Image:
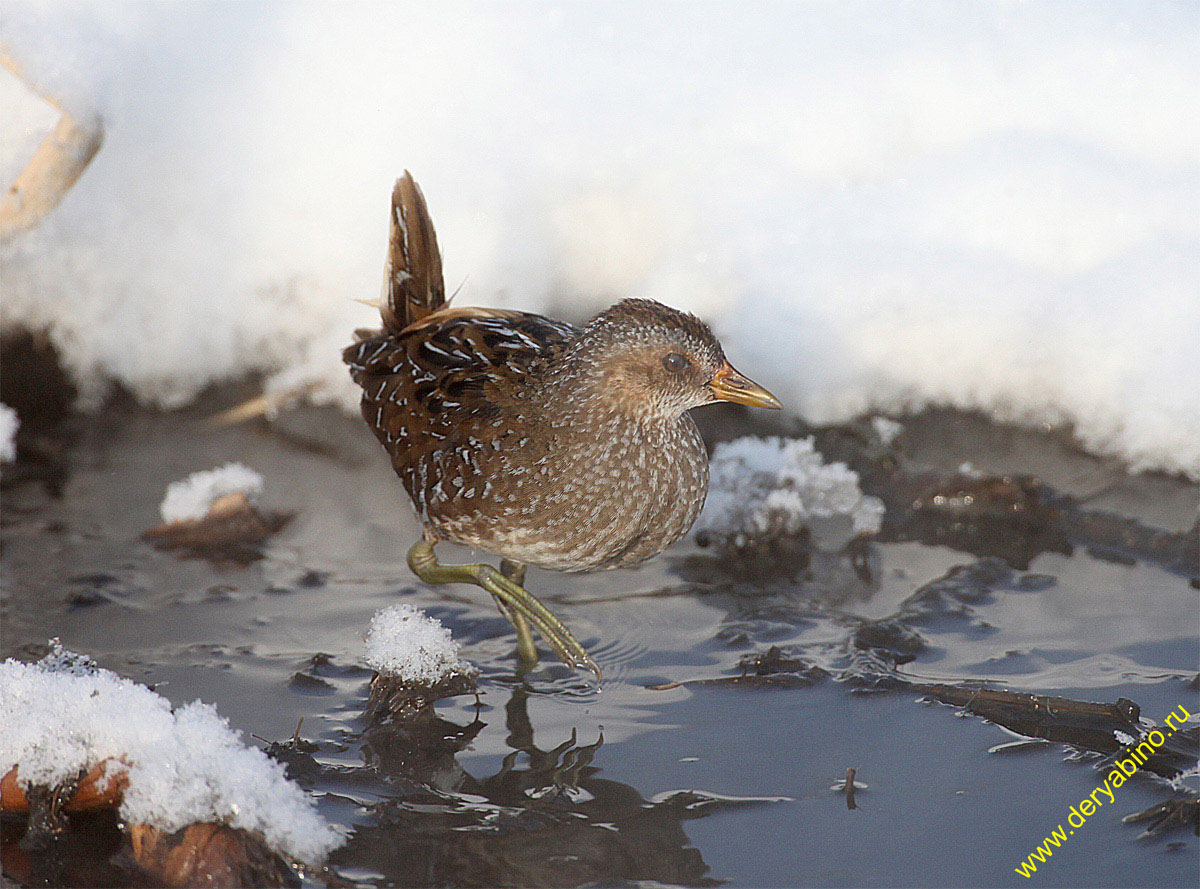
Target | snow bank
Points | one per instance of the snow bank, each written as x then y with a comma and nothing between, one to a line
985,205
9,424
64,714
190,499
774,487
406,644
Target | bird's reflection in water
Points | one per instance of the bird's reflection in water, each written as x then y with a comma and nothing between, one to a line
544,819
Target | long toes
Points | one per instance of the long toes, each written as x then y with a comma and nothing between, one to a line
550,627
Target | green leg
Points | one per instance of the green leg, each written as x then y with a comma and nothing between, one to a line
514,599
526,650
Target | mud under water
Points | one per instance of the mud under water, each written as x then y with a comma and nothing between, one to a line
739,688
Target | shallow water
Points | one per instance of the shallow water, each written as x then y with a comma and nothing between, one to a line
659,776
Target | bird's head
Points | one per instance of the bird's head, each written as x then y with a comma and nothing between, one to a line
658,361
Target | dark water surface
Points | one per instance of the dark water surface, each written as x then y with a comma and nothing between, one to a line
545,780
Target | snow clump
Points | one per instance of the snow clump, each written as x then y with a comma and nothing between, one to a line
190,499
406,644
887,429
9,424
774,487
65,715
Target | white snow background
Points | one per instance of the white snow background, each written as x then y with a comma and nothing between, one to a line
877,205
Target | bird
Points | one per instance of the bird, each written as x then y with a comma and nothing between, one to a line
544,443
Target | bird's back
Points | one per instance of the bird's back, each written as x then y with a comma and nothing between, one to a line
432,393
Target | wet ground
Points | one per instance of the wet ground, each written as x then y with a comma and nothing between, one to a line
738,687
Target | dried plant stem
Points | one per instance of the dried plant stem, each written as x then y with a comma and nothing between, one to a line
60,160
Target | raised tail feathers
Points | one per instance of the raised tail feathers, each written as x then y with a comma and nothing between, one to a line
412,282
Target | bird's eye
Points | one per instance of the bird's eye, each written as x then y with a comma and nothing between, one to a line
675,362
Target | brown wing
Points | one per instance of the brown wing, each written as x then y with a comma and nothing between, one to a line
433,392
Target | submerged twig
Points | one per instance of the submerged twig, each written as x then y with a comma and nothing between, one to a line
850,804
1097,727
1170,813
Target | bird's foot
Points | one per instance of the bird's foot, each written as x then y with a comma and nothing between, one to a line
516,603
527,654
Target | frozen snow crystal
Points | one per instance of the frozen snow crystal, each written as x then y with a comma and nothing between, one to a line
183,766
406,644
191,498
8,433
772,487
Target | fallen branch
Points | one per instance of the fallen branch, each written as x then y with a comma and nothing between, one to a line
58,162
